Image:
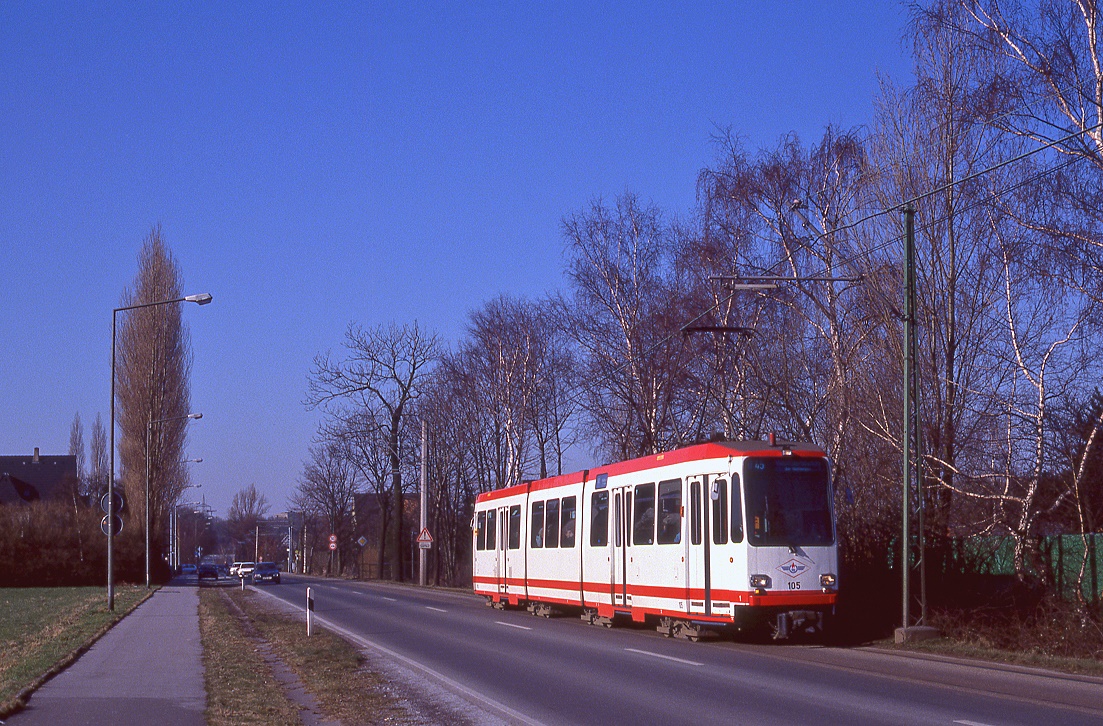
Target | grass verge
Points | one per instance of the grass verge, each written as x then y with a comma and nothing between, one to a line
1052,634
241,688
44,629
976,651
331,669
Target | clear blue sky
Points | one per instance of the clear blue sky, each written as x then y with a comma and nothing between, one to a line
316,165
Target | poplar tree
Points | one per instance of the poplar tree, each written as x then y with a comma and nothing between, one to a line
153,370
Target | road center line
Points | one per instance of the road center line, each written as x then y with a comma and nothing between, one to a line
972,723
664,657
390,599
438,610
511,625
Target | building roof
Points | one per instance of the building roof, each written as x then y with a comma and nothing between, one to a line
34,477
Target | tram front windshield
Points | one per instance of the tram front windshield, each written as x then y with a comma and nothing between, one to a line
788,501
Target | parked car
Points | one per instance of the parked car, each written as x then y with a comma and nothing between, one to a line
187,569
245,569
233,568
208,569
267,572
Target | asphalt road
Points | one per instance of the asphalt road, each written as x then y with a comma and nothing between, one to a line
520,668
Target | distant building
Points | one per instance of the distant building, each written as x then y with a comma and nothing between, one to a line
35,478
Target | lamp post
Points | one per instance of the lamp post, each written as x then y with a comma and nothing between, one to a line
149,435
201,299
174,537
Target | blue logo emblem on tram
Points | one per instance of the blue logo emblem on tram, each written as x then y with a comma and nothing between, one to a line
793,568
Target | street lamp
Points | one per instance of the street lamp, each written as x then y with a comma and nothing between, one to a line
201,299
149,434
174,533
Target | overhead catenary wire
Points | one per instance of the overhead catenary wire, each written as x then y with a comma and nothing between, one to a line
696,320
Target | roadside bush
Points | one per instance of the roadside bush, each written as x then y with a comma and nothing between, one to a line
53,543
1048,627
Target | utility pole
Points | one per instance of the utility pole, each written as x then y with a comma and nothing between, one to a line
909,351
422,552
906,632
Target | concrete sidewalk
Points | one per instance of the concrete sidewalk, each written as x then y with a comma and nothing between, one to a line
148,669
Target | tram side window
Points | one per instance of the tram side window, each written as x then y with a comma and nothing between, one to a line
643,525
551,523
670,511
491,529
537,536
737,511
515,527
720,511
480,531
695,513
567,511
599,520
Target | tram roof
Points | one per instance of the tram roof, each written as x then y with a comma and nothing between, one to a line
695,452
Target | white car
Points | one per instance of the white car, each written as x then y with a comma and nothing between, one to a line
244,569
234,568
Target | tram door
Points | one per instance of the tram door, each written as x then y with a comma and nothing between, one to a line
619,544
500,552
698,544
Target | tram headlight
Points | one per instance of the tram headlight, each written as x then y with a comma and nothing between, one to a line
760,583
828,582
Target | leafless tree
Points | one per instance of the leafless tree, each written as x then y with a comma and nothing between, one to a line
247,509
80,486
76,449
327,489
97,472
1054,81
154,366
624,315
384,370
362,435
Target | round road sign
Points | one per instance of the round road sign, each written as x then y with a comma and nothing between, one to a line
118,524
333,545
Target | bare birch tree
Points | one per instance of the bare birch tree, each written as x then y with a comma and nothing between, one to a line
624,315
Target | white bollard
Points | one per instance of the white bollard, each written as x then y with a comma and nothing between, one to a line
309,611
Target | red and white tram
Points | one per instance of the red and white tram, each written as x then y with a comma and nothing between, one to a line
711,535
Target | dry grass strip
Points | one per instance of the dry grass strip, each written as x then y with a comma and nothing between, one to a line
241,688
333,670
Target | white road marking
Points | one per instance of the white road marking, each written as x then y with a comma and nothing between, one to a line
972,723
390,599
438,610
665,657
511,625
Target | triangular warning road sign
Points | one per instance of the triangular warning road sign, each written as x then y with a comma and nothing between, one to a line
425,536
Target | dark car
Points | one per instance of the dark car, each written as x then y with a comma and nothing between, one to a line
208,569
267,572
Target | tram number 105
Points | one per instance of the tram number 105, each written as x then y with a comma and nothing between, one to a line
794,585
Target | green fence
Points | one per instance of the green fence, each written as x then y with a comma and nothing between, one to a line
1062,555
